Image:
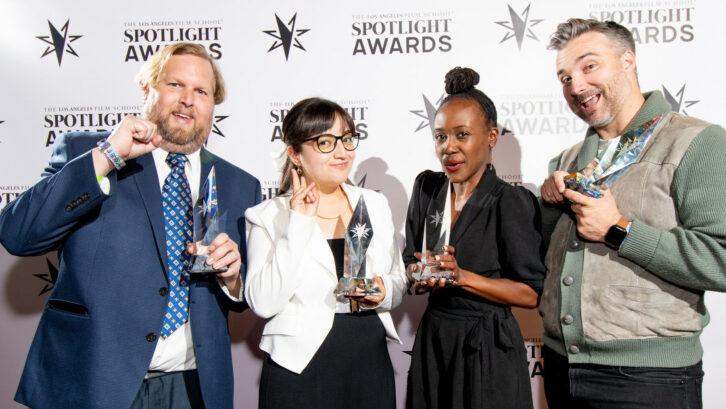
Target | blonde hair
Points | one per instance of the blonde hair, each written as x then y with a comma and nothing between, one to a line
151,71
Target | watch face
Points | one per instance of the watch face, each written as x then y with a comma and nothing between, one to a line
615,236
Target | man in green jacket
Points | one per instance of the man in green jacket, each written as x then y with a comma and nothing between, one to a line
635,221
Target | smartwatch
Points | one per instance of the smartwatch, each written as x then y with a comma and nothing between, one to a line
615,236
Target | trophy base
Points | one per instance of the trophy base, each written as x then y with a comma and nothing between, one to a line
200,267
431,270
356,288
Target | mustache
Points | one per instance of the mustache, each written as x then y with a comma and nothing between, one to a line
584,96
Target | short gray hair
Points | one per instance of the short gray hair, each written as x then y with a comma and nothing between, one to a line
574,27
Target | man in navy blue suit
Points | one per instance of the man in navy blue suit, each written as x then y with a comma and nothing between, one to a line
126,326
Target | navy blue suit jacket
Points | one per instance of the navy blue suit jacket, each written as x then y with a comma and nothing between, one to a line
98,331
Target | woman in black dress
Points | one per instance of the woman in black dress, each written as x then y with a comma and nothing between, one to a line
468,351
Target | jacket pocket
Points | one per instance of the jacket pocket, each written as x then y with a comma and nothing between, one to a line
68,307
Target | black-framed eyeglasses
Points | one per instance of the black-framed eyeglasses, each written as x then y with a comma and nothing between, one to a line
327,143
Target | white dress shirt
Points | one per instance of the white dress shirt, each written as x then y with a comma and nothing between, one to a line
176,352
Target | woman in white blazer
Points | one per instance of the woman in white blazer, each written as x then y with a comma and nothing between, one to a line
318,353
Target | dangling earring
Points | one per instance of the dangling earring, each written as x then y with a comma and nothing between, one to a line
491,159
298,169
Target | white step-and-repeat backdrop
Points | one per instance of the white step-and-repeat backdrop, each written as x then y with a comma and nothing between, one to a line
69,65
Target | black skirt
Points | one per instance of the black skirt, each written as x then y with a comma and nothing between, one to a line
469,359
350,370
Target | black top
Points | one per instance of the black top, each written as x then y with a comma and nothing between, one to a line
496,235
337,246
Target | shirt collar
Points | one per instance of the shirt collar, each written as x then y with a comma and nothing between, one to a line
193,159
655,104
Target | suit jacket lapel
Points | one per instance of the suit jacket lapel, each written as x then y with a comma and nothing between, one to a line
588,151
320,249
147,182
353,194
317,248
479,199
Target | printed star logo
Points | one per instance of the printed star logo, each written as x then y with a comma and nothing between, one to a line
218,119
360,231
59,41
428,113
437,218
49,277
519,26
676,101
286,35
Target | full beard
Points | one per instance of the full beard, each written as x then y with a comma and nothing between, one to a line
177,139
180,140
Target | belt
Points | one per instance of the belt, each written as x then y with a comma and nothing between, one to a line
474,339
156,374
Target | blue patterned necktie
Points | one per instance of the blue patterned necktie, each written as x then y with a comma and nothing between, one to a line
177,200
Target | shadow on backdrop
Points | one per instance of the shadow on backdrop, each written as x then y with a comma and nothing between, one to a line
246,328
373,174
508,159
29,281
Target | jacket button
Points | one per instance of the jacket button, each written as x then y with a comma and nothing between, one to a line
69,208
568,280
163,291
151,337
574,245
568,319
574,349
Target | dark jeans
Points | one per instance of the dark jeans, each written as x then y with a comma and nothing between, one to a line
622,387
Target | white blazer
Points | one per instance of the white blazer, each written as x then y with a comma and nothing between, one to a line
291,275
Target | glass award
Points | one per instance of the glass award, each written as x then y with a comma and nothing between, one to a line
435,236
207,222
604,170
355,282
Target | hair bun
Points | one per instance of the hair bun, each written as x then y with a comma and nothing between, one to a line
460,80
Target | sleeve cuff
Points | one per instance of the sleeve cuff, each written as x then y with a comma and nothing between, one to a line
388,298
240,297
104,184
641,243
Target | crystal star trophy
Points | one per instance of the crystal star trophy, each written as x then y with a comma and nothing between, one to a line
355,283
207,221
602,172
435,237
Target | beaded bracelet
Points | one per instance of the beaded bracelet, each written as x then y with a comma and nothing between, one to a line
111,154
